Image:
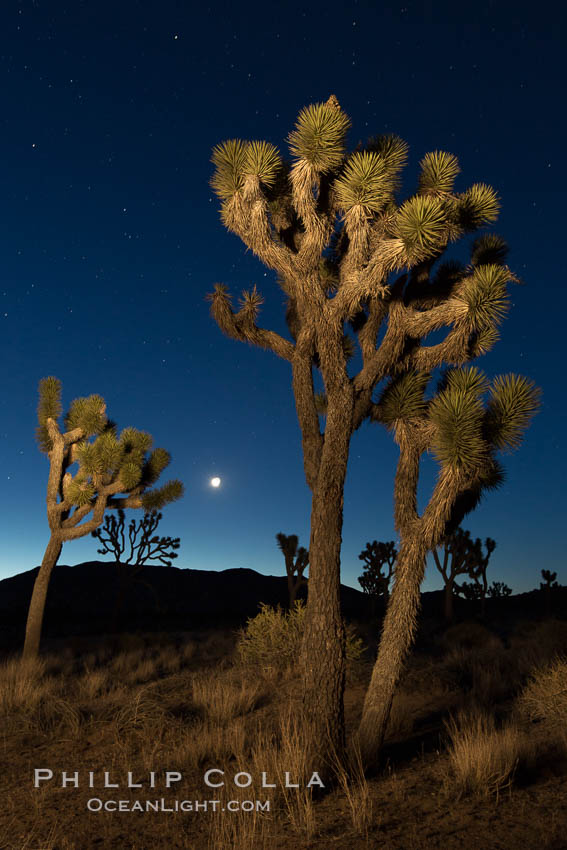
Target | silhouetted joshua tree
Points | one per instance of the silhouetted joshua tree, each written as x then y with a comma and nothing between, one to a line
107,466
349,260
498,590
144,545
548,585
548,582
296,561
373,581
149,547
478,588
461,556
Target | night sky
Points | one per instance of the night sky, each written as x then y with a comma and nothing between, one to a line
111,240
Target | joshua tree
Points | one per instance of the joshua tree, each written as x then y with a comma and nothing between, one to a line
107,466
478,588
461,556
296,560
464,431
373,581
149,547
548,580
350,260
498,590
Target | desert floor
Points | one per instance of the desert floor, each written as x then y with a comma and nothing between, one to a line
476,751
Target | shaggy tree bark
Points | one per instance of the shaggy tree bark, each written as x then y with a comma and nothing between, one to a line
323,653
39,596
398,634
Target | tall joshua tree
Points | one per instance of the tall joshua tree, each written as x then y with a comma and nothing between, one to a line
296,561
107,466
351,260
461,556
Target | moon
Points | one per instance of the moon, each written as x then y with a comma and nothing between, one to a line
215,482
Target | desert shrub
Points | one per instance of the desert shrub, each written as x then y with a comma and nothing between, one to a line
545,638
470,636
482,758
545,695
272,639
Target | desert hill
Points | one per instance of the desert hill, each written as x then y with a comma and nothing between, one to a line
97,597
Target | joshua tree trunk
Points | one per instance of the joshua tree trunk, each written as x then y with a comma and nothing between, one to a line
398,634
323,652
324,637
39,595
292,588
449,600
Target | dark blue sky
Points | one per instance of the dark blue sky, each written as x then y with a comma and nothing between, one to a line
111,239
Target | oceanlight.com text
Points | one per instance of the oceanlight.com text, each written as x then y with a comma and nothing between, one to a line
95,804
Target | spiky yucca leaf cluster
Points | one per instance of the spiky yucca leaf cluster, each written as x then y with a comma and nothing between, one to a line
319,136
512,403
87,414
157,499
438,172
80,493
263,161
486,296
457,412
391,149
228,158
489,248
154,466
49,407
421,224
478,205
235,160
403,399
467,431
365,182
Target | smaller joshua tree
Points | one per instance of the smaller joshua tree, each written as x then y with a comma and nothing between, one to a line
108,465
466,422
478,588
549,581
548,585
373,581
463,556
296,561
149,547
498,590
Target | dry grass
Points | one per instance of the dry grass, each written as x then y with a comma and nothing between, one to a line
22,685
187,706
222,696
483,758
544,698
356,790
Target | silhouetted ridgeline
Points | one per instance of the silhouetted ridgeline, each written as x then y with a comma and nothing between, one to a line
83,600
